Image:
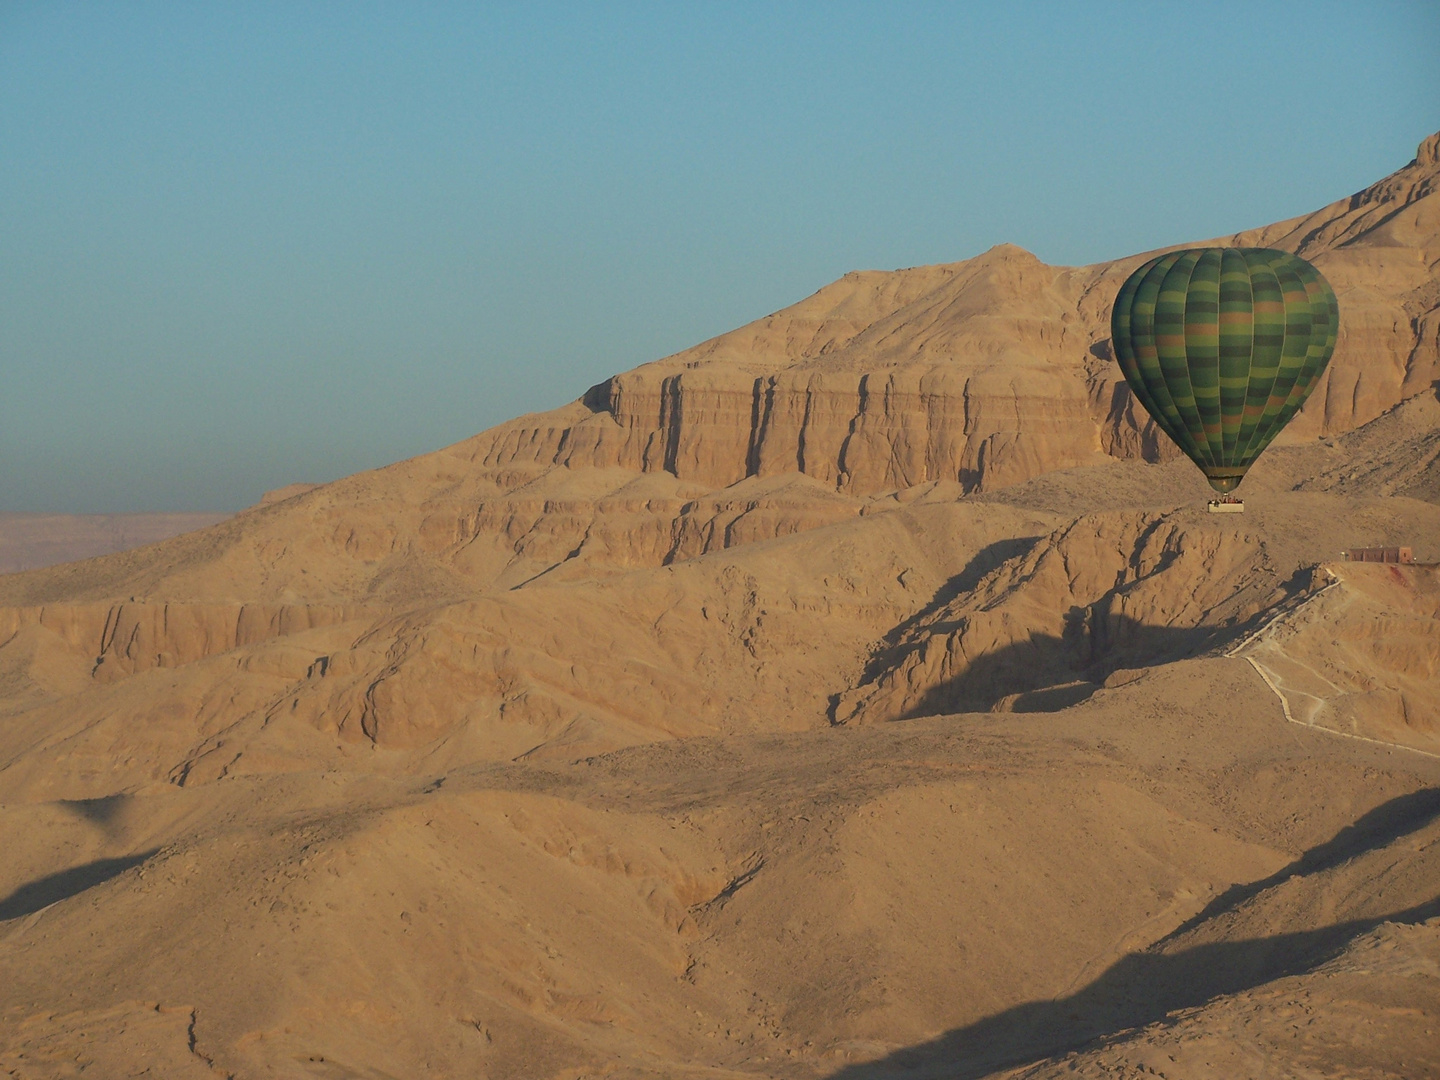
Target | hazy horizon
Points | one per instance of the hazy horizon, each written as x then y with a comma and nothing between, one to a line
243,248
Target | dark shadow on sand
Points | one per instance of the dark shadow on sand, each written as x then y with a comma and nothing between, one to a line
1045,673
985,560
101,811
28,899
1381,826
1143,987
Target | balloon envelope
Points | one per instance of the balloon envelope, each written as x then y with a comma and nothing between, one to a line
1222,346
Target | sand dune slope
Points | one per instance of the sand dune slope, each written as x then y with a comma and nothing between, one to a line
947,895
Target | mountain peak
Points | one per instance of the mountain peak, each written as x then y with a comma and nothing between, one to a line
1428,152
1012,252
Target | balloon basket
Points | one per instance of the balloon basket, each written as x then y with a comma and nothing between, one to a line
1226,504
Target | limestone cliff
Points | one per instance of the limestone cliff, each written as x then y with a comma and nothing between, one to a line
988,371
975,376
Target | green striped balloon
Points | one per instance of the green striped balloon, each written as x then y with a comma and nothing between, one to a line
1222,346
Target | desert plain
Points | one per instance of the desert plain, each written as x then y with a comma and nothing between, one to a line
862,693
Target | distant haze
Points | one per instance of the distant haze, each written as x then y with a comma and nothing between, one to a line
250,245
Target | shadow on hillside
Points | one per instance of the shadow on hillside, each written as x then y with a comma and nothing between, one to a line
1045,673
1143,987
28,899
100,811
984,561
1383,825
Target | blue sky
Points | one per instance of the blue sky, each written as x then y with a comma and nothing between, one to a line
247,244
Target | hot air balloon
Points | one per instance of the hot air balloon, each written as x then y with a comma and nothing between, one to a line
1222,346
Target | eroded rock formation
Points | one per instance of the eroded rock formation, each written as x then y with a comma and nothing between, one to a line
985,372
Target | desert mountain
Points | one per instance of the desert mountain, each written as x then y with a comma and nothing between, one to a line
863,691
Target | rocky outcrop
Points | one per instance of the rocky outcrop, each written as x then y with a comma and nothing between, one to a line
1105,593
954,373
130,637
413,533
860,432
702,647
1398,454
986,372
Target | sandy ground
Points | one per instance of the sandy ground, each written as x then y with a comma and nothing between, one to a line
939,897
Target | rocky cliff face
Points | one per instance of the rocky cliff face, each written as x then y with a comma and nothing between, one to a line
973,373
1103,594
974,376
986,372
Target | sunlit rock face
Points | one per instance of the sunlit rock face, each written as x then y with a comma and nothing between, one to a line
987,372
